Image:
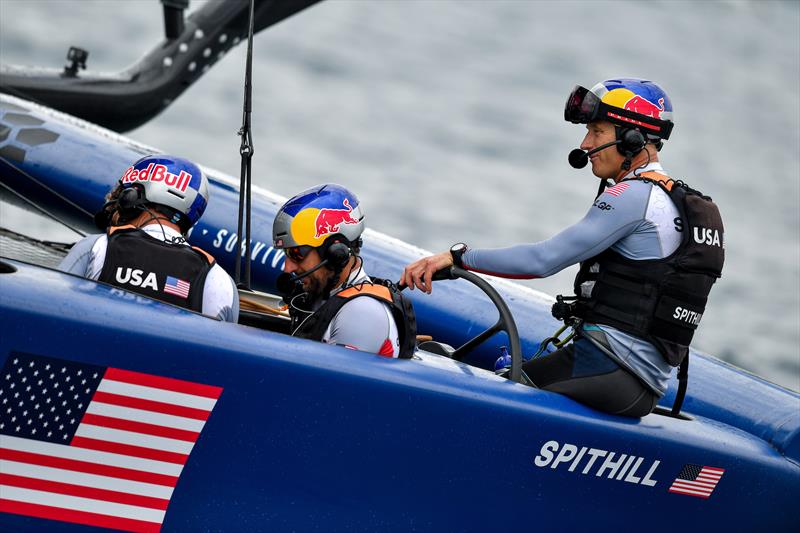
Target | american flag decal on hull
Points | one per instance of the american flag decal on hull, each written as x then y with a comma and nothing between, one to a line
696,480
94,445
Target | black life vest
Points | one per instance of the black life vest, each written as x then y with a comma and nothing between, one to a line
173,273
314,326
660,300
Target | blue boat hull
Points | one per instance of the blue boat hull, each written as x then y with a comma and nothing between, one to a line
311,437
307,436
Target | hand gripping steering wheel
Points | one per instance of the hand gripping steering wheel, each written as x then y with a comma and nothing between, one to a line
505,322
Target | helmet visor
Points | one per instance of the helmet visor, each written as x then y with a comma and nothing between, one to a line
582,106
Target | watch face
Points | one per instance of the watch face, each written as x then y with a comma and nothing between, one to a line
456,251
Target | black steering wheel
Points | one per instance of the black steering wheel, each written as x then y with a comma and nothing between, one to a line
505,322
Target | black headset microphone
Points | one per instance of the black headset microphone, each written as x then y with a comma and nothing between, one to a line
630,141
289,283
578,158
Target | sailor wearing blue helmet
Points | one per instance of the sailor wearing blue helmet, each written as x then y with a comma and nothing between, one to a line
649,249
331,298
144,250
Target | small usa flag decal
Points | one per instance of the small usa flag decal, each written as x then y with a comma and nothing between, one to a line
617,189
176,286
696,480
95,445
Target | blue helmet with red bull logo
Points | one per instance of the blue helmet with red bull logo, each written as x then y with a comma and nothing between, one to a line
317,214
168,181
625,102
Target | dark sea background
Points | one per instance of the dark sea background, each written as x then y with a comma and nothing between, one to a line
446,118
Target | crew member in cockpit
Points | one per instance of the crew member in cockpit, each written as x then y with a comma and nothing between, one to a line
331,298
650,248
144,250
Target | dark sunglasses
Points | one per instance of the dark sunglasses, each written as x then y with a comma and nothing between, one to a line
298,253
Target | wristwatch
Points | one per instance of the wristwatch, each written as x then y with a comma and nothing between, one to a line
457,252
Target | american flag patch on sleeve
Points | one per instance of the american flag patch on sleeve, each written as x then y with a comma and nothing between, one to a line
617,189
94,445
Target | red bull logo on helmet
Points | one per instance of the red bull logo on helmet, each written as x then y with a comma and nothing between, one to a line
158,173
626,99
643,106
328,220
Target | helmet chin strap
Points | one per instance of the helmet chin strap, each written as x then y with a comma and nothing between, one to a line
626,165
333,279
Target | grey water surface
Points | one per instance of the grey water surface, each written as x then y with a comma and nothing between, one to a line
446,118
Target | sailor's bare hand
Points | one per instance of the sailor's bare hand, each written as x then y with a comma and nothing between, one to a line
419,273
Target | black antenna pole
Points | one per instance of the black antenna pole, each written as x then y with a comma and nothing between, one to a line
246,150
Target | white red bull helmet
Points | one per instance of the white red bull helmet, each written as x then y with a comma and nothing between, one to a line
625,102
169,181
313,216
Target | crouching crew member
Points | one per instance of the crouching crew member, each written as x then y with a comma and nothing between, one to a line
144,250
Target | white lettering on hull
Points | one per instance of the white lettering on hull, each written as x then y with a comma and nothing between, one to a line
619,467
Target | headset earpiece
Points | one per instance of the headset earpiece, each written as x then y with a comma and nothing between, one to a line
632,141
130,198
126,205
337,255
